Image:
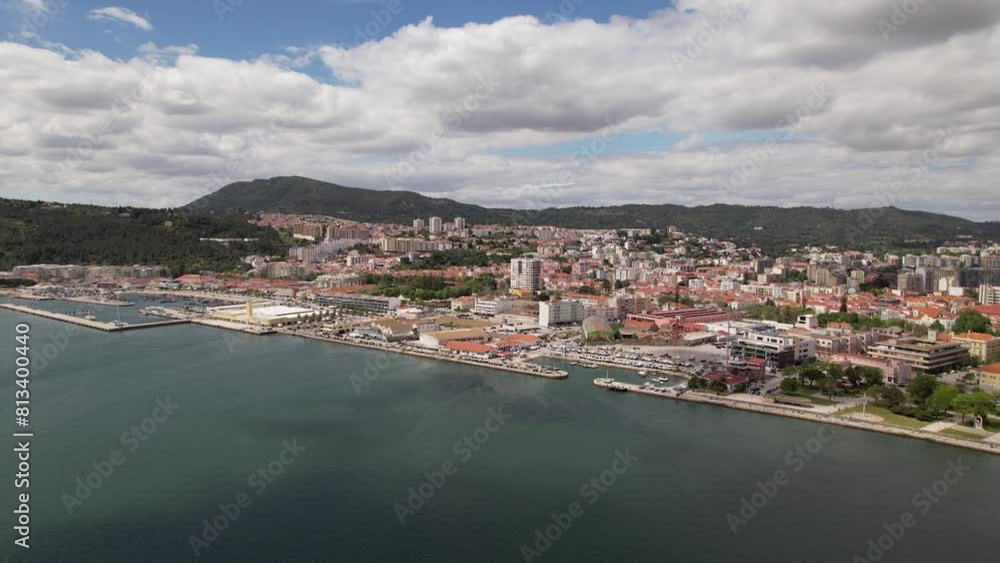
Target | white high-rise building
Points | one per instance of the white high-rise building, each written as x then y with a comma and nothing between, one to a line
418,224
459,224
436,226
560,312
526,274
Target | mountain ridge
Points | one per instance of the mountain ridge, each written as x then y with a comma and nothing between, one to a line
764,225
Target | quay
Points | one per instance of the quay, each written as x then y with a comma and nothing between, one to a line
790,412
106,327
98,301
558,374
29,297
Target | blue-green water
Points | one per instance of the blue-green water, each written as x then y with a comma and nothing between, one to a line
240,398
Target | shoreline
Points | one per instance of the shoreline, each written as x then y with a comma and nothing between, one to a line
432,356
791,412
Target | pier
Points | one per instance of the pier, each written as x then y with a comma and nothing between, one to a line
106,327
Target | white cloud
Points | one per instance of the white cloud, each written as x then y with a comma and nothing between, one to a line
124,15
199,120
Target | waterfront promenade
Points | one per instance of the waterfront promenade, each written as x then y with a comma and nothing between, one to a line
804,414
514,367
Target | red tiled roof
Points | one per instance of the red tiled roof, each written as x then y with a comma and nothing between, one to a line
471,347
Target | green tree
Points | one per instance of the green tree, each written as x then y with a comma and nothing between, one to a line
891,396
922,387
936,325
843,304
789,385
872,376
718,386
940,401
971,320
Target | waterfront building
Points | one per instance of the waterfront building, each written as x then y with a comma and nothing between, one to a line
777,350
263,314
923,355
443,337
894,372
552,313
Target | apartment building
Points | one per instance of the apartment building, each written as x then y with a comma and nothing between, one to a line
989,295
526,274
777,350
923,355
368,303
402,245
552,313
436,226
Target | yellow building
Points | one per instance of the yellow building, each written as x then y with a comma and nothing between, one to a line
990,378
985,347
263,314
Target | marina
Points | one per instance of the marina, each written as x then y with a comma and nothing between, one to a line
84,321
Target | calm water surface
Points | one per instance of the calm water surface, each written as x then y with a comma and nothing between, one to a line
240,399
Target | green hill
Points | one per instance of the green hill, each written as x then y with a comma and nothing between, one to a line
770,227
33,232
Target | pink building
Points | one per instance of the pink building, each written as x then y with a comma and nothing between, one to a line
893,371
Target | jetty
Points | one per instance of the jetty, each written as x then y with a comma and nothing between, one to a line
96,325
801,414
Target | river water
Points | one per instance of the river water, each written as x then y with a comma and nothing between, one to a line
340,459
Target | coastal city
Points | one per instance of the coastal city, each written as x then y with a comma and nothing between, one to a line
898,343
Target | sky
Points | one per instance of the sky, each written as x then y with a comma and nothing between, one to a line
512,103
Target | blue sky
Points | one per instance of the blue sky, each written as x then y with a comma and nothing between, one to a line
254,27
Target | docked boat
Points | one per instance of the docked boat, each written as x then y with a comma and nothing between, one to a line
642,373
